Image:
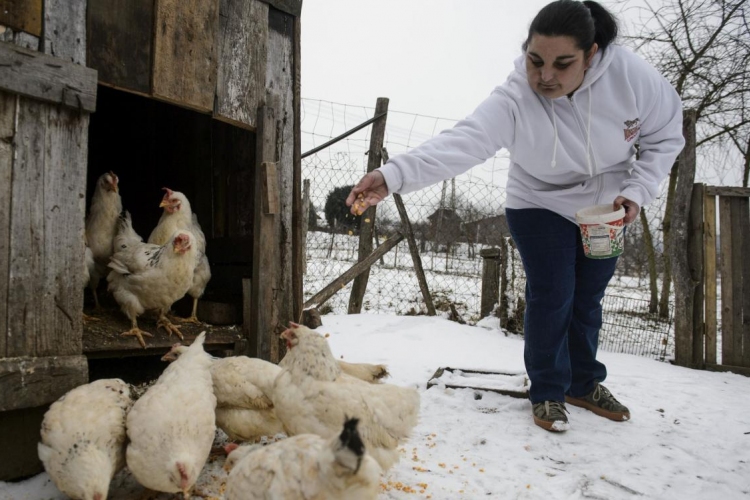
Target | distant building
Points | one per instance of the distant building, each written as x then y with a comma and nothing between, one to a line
487,231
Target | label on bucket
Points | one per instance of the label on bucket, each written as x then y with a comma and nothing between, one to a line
602,242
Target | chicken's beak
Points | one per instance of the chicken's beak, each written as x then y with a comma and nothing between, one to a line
164,203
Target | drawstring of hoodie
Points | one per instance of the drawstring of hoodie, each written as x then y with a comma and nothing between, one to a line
553,163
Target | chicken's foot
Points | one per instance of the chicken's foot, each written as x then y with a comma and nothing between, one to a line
138,333
193,318
169,327
87,318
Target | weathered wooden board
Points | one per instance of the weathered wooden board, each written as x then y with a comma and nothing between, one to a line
744,229
280,89
66,147
43,77
243,37
120,42
299,220
7,118
185,52
25,15
293,7
29,382
728,191
709,238
102,338
64,29
265,295
727,288
26,229
20,38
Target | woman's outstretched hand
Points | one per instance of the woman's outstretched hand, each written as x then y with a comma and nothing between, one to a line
631,208
369,191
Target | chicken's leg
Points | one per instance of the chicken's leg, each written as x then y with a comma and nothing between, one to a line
193,318
136,332
164,322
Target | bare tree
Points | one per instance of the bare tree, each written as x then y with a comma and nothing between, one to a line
703,48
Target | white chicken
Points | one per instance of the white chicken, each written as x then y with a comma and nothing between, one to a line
83,438
243,411
101,226
305,466
146,276
178,215
171,427
310,396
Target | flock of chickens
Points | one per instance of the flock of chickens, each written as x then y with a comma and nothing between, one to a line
145,276
344,425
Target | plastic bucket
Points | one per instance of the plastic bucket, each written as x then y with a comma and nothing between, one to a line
601,231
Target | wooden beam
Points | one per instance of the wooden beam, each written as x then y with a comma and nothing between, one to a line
299,213
367,220
270,186
490,280
330,290
64,30
727,191
265,261
7,132
29,382
121,42
413,248
185,52
737,206
24,16
739,370
242,59
46,78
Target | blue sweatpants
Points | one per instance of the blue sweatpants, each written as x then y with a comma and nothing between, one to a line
564,290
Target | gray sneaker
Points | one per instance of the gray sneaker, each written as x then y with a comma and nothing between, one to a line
550,416
601,402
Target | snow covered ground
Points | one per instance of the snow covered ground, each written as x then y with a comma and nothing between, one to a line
689,437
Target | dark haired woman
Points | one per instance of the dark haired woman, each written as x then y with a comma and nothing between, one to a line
570,116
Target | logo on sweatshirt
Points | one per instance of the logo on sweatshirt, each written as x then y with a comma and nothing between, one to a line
631,128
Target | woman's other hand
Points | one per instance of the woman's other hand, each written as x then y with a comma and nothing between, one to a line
631,208
369,191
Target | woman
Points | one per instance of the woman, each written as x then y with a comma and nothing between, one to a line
570,116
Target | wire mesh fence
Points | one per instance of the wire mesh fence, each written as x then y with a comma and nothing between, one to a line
452,222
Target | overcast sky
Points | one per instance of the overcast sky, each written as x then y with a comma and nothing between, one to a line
431,57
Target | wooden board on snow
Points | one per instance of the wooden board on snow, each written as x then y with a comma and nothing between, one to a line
515,385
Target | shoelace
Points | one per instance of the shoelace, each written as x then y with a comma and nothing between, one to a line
558,408
603,391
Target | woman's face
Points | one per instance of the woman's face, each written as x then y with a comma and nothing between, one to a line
555,65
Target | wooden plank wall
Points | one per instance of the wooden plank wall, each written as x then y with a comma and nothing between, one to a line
280,86
185,52
242,49
119,44
23,15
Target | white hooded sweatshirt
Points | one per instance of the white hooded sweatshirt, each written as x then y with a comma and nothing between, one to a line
566,153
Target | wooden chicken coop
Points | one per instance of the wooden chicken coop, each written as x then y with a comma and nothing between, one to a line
201,96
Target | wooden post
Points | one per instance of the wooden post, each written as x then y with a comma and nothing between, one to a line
490,280
265,262
305,223
413,249
684,286
357,269
503,313
368,218
695,263
299,216
744,230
